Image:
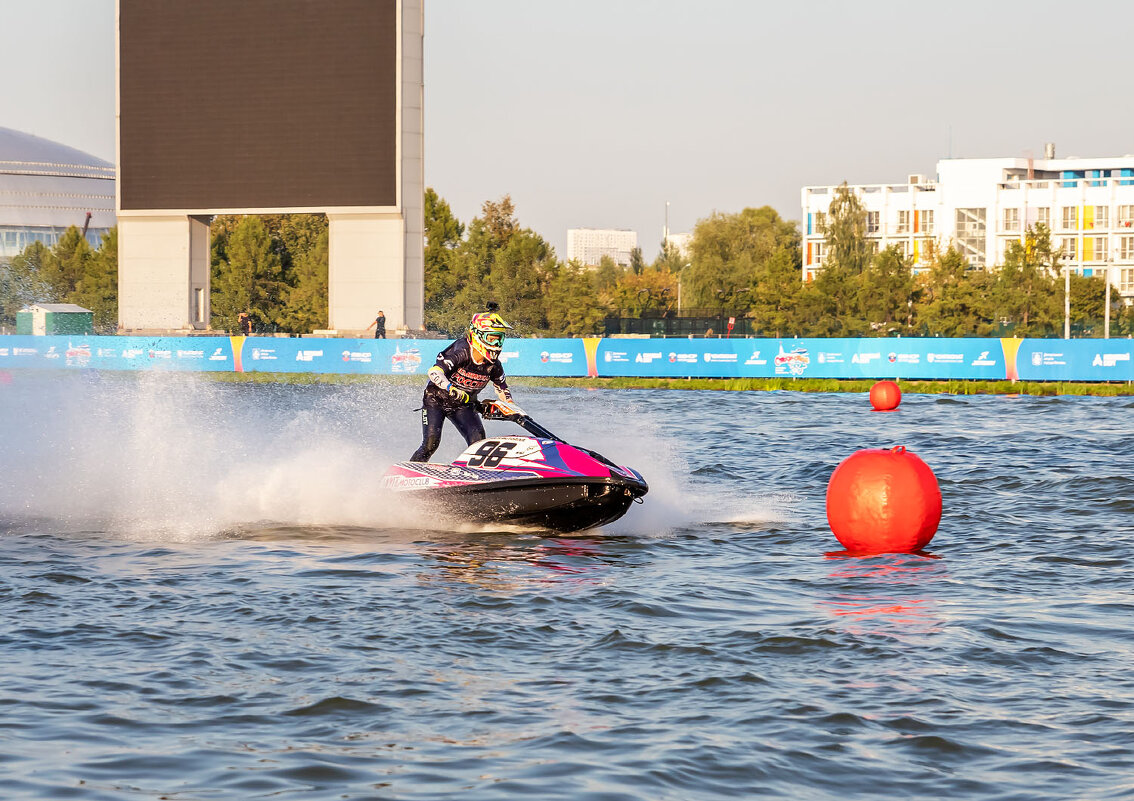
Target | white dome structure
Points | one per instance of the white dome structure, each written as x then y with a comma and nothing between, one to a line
46,187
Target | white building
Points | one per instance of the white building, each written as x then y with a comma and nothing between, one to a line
980,205
681,242
589,245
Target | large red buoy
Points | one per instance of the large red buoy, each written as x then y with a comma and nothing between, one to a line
883,501
885,396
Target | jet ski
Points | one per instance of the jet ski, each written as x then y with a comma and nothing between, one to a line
538,480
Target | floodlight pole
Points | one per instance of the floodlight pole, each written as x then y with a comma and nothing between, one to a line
1106,303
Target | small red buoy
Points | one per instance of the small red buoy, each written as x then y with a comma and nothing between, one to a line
885,396
883,501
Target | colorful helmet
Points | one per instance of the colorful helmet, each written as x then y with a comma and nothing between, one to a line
486,334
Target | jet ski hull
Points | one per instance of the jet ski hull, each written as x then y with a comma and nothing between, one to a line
558,504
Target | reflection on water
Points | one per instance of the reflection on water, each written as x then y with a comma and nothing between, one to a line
889,594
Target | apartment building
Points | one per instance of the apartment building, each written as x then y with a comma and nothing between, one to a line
589,245
980,205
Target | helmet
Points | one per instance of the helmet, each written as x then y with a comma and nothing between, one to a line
486,334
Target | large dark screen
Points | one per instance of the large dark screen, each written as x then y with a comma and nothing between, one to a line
257,103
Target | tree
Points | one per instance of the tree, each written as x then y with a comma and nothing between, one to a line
573,308
21,284
776,296
307,296
955,299
847,245
887,292
728,251
97,288
250,278
1024,291
67,263
443,232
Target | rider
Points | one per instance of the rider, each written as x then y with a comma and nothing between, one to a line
462,370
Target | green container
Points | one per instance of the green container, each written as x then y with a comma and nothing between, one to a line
55,318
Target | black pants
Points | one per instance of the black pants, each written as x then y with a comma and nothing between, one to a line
433,414
379,333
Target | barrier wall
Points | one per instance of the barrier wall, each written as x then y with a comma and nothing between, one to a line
987,359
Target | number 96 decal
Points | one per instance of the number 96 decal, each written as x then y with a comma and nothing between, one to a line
490,453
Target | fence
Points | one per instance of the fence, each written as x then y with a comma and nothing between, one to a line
909,358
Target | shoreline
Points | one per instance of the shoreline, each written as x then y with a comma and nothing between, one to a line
948,387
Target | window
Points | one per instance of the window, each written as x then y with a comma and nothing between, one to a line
818,253
1070,220
1094,248
1070,248
873,222
1102,217
925,222
820,222
1126,280
1043,215
1126,216
1011,220
903,222
902,246
1126,247
199,311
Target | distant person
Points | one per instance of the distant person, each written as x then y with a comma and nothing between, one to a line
244,324
462,370
379,325
709,334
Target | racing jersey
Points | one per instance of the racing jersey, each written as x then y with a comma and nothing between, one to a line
457,367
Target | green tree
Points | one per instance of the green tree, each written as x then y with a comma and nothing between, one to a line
307,294
249,278
777,295
955,300
728,251
847,245
97,289
1025,288
888,292
67,263
21,284
573,308
443,232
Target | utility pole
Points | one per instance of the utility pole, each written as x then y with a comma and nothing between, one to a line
1106,307
1067,301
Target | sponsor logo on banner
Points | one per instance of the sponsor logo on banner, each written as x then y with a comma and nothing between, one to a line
218,356
1109,359
24,351
405,361
647,358
755,358
190,354
505,355
557,358
78,355
794,363
614,356
161,354
720,357
983,360
132,353
903,358
107,353
361,356
308,355
945,358
830,358
263,354
684,358
3,351
1043,359
52,353
865,358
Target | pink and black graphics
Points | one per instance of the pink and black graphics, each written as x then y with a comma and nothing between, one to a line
531,481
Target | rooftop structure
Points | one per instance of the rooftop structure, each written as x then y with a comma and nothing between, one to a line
981,205
45,187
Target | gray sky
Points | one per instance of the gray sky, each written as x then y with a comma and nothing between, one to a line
594,113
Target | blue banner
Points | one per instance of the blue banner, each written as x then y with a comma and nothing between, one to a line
802,358
869,358
1076,360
